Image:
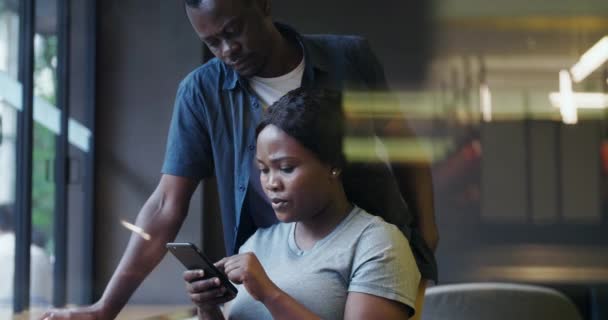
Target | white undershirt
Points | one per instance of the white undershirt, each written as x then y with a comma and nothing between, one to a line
270,90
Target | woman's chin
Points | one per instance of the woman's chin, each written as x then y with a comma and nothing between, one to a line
285,217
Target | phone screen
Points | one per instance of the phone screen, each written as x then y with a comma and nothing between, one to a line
192,258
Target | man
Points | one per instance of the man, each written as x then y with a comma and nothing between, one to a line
213,132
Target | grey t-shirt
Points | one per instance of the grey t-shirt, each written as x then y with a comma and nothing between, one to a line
362,254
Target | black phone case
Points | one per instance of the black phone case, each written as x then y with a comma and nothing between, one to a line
192,258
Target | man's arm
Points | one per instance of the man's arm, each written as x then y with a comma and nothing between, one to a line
419,183
161,217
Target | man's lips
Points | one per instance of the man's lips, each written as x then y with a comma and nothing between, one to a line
239,63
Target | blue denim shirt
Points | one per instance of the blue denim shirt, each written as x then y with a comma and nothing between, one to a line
212,131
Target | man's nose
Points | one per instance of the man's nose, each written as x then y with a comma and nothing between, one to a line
230,50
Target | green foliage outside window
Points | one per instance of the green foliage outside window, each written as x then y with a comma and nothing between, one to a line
43,158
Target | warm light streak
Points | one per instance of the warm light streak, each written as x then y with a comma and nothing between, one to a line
590,60
582,100
544,273
567,106
137,230
485,98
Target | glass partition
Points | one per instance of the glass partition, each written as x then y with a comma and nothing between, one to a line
9,52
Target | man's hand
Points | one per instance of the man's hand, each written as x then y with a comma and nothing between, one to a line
93,312
246,269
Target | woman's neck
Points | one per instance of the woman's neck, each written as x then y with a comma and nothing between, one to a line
309,231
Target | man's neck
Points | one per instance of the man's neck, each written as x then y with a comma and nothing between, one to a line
286,56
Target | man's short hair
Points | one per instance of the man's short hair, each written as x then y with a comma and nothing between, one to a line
193,3
197,3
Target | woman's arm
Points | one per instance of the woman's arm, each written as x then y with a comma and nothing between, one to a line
283,306
367,306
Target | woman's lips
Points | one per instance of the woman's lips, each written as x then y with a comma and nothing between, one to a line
278,204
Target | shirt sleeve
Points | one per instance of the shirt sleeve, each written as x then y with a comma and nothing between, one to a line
384,265
370,66
188,152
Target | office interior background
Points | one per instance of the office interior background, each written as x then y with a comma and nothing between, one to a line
507,104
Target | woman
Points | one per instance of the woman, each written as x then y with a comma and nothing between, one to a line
327,258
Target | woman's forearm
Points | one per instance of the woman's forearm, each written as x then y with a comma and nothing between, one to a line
210,314
283,306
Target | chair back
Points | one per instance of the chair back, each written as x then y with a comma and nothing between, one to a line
497,301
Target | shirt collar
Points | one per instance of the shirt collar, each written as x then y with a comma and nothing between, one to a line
313,57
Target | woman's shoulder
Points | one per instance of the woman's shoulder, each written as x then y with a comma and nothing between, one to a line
373,231
373,224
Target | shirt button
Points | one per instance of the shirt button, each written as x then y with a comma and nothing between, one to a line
241,188
251,147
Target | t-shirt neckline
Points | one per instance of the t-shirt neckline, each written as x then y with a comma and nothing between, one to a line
293,247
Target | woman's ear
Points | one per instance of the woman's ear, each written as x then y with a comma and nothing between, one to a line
335,172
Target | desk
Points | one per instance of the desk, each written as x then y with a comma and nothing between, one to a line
130,312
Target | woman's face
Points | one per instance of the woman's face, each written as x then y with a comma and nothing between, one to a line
297,183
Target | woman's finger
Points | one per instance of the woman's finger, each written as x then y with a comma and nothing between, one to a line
202,285
207,297
191,275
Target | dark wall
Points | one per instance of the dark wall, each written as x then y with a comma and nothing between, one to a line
144,49
400,32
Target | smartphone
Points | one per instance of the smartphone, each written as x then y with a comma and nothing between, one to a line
192,258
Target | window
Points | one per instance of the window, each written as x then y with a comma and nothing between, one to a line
45,153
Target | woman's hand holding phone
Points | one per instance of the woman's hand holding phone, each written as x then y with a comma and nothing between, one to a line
206,294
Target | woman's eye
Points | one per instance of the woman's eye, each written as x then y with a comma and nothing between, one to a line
264,170
287,169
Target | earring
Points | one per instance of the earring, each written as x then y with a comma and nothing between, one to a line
334,172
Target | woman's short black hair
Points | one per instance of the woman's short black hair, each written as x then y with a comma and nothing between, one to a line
313,117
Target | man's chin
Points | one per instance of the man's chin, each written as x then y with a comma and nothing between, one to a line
248,71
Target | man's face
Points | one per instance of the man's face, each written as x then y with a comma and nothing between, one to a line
298,185
238,32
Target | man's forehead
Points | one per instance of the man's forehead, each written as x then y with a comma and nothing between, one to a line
223,5
211,16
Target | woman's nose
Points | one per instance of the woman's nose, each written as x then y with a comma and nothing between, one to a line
273,183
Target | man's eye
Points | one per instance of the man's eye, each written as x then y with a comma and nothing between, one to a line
233,31
212,43
264,170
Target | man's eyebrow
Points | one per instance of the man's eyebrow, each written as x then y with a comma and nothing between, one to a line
230,22
226,24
